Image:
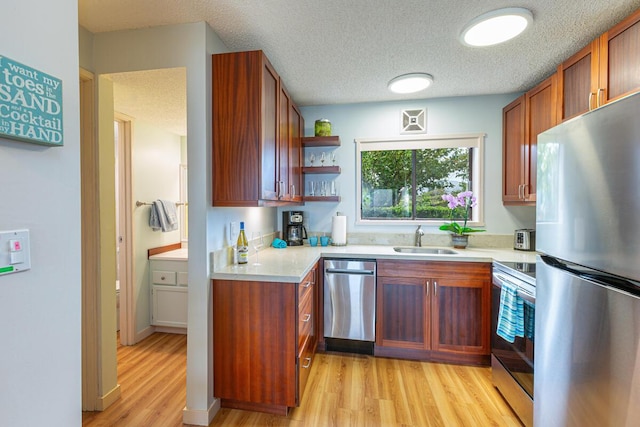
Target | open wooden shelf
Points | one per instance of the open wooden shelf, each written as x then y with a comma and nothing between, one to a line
321,141
320,169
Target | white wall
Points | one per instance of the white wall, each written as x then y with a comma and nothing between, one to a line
40,309
155,158
479,114
189,46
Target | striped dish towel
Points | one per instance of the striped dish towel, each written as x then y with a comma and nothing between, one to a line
529,319
511,315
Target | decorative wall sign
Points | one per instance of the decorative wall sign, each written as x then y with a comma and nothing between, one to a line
30,104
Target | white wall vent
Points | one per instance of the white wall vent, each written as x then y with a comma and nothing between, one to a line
413,121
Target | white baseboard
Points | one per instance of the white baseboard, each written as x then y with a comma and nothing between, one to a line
105,401
171,330
146,332
199,417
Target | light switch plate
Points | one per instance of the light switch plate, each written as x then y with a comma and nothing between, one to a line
15,253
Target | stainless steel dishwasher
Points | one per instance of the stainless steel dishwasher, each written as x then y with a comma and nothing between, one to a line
350,304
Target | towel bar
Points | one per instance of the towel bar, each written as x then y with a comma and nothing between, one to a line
139,203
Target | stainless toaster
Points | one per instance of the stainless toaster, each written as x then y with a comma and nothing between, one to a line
524,240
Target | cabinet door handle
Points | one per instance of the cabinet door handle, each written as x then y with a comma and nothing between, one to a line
435,288
591,95
426,285
306,318
306,285
307,363
280,189
524,190
599,102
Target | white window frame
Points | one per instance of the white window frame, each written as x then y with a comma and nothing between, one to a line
475,140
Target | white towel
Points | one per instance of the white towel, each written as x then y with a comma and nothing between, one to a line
163,216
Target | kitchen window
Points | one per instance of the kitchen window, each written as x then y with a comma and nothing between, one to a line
402,180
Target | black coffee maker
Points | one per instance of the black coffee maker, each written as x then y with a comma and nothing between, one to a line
293,230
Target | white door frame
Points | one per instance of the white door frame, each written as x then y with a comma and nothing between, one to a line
125,212
90,225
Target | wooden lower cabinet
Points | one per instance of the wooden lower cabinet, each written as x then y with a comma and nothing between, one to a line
403,313
434,311
264,342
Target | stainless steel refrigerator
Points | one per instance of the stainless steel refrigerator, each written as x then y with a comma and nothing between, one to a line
587,322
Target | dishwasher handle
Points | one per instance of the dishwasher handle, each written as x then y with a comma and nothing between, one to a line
348,271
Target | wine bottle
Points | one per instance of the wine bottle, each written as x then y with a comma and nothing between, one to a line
243,246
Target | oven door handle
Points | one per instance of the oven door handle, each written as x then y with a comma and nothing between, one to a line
524,293
500,279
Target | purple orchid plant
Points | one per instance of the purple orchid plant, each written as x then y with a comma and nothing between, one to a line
466,200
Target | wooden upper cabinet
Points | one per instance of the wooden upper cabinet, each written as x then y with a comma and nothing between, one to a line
245,134
540,115
296,178
578,83
251,131
270,103
605,70
284,145
523,119
620,60
513,148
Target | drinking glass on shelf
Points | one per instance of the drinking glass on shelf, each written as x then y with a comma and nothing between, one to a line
312,158
312,188
333,158
258,243
323,157
323,186
334,190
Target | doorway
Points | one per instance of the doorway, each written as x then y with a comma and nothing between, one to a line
99,201
149,111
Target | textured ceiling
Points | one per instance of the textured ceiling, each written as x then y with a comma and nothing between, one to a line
336,52
158,97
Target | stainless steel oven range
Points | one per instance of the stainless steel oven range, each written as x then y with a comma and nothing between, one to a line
513,300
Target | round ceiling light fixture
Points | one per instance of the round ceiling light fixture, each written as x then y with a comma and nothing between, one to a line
496,27
410,83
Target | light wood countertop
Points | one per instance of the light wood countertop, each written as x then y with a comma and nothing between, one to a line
291,264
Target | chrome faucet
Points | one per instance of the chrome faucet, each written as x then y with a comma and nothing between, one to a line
419,234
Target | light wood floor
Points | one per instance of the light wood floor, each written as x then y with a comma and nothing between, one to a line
152,378
343,390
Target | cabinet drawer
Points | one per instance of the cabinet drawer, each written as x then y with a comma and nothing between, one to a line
306,286
304,365
305,320
164,277
434,269
183,279
394,268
